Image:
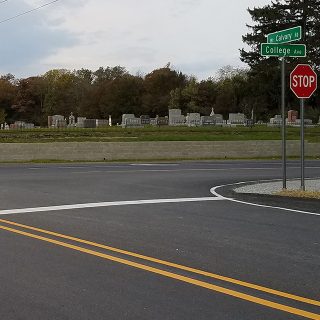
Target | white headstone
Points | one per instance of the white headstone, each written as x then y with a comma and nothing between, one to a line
193,119
126,116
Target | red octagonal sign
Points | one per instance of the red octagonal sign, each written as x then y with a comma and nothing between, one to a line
303,81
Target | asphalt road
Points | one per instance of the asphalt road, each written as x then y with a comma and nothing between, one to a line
77,242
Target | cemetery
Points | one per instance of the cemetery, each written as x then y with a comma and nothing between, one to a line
174,127
176,136
175,118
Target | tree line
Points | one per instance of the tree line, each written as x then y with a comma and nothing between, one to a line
114,91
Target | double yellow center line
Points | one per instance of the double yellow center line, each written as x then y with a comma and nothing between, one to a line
168,274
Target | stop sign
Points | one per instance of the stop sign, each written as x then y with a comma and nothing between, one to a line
303,81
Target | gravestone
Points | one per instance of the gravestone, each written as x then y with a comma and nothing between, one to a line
207,121
126,116
292,116
236,118
89,123
162,121
132,123
102,123
58,121
193,119
218,119
145,120
153,121
80,122
176,118
276,121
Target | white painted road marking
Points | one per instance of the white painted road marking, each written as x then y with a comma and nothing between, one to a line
214,192
106,204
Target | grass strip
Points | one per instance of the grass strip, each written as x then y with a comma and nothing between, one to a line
166,133
299,194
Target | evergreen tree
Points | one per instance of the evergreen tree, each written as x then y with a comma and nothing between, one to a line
305,13
265,71
283,14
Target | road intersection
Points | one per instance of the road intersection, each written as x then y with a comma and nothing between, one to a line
150,241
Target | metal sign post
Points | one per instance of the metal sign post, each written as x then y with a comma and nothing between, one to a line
303,187
277,46
283,112
303,83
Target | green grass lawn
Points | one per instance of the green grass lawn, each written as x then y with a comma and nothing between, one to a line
166,133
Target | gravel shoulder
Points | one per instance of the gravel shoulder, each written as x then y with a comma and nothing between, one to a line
274,187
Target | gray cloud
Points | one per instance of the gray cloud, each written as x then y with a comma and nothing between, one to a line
197,36
27,39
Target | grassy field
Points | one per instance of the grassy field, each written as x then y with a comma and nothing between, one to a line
166,133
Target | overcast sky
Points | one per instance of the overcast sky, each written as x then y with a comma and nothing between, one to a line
197,37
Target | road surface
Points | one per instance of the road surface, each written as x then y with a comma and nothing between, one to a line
150,241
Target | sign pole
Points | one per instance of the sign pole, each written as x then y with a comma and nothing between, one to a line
303,83
284,153
303,187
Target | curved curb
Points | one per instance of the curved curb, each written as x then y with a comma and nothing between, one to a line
213,190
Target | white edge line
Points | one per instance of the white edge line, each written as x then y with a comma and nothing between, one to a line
106,204
215,193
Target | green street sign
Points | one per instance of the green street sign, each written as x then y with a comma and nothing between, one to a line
283,50
285,36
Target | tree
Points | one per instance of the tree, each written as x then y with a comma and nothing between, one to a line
195,96
83,93
305,13
8,92
158,85
93,88
231,91
265,72
109,74
122,95
207,94
2,116
28,102
278,15
313,114
59,96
